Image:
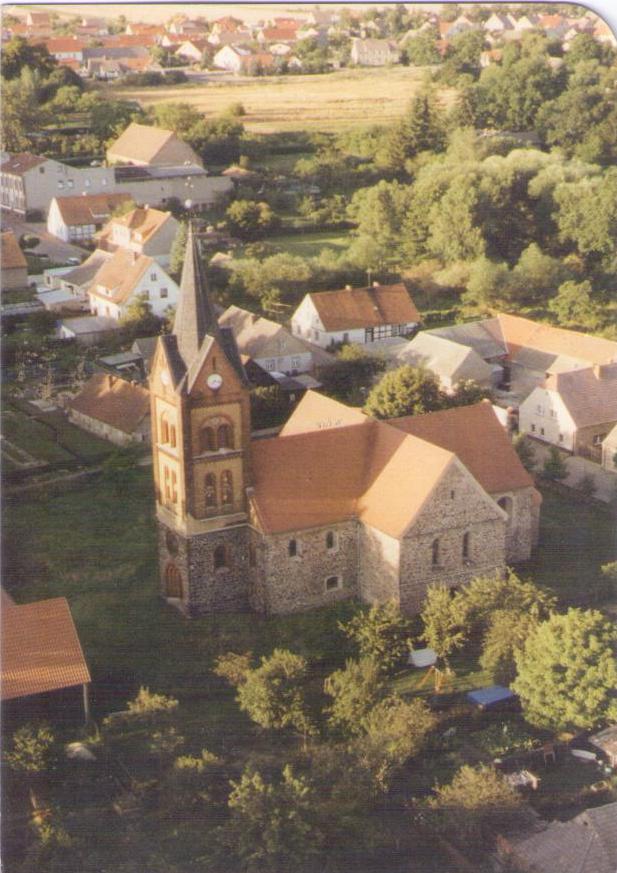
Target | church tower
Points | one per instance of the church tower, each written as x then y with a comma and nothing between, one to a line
200,413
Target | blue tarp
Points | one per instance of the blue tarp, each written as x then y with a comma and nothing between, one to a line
490,696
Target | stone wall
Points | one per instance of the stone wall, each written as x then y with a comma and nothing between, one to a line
458,507
523,508
206,588
378,572
293,584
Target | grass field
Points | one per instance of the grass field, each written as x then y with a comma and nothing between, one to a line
328,102
311,244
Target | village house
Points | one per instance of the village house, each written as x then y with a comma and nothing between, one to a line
356,315
142,145
193,50
450,362
499,22
574,410
77,219
267,343
230,58
88,330
28,183
38,24
374,52
585,844
143,230
112,408
338,505
13,264
527,351
609,451
67,287
126,278
42,661
64,48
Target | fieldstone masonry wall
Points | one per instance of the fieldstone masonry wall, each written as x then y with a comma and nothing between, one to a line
206,588
522,525
378,573
292,584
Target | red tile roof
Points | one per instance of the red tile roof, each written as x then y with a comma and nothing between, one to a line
20,163
11,256
475,436
40,649
114,401
365,307
89,208
590,395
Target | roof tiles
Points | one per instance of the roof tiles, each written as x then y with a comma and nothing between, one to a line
375,305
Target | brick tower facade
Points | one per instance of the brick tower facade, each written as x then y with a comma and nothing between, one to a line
200,412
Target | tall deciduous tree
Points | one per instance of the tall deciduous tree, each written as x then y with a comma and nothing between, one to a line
567,672
272,827
354,691
405,391
443,630
381,633
273,694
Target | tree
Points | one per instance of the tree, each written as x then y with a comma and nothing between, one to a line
351,374
476,603
178,249
139,319
487,285
574,306
379,212
21,113
405,391
463,56
234,668
250,220
273,693
31,753
524,449
505,637
272,826
19,54
455,234
536,275
567,672
421,50
394,731
354,691
148,704
554,468
587,216
382,633
467,392
475,805
441,621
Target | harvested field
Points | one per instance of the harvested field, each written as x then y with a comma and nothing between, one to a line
331,101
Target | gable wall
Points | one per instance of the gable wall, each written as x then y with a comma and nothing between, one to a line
448,518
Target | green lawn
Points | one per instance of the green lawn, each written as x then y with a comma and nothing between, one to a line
50,437
311,243
576,538
94,542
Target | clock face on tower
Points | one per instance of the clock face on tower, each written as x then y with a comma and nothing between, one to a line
214,380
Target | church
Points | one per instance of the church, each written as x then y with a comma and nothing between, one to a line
338,505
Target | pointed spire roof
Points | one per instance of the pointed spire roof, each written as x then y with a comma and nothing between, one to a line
195,315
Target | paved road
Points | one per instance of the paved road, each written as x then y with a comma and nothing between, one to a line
58,250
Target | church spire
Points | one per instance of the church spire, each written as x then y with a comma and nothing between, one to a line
195,315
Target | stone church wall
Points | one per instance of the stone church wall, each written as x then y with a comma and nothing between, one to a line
379,556
523,523
293,584
208,589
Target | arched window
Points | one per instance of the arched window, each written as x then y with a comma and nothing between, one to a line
227,488
221,557
506,505
164,429
333,582
330,540
173,582
225,437
172,436
292,548
210,490
435,553
466,545
207,440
